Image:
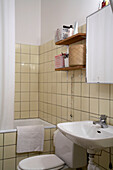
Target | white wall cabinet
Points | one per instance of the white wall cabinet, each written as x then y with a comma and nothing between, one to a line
99,45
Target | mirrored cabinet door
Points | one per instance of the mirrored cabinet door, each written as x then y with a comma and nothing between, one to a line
99,45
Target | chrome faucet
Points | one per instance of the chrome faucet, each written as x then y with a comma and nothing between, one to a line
102,122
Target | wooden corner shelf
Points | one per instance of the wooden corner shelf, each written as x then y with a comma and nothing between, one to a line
70,68
73,39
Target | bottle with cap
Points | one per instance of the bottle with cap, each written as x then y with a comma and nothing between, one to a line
71,30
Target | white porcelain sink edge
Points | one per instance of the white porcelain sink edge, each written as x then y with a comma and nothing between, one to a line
88,135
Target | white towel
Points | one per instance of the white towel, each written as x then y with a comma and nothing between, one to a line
30,138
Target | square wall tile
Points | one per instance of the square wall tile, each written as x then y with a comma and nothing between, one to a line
10,138
25,114
85,116
53,110
85,104
9,164
94,105
104,91
59,100
25,49
77,103
34,96
34,59
33,68
33,87
25,68
53,120
77,115
34,78
59,88
33,114
54,99
24,106
77,89
24,78
24,58
34,49
64,113
24,87
9,151
25,96
49,98
94,90
64,88
85,89
70,101
33,106
104,107
64,100
69,88
59,111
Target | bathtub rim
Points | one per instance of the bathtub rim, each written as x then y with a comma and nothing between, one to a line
15,130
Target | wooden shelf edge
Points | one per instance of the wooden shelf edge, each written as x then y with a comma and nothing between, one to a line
70,68
73,39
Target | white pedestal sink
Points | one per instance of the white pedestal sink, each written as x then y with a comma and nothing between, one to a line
89,136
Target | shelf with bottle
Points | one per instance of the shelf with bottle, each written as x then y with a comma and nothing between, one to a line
70,68
72,39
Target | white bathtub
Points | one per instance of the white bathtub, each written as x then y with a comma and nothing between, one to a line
29,122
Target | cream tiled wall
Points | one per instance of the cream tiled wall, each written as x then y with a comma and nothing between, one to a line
9,159
26,81
54,96
65,96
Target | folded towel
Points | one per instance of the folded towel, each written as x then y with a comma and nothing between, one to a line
30,138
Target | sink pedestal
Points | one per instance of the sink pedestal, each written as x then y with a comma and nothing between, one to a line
91,165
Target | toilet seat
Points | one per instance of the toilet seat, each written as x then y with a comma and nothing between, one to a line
41,162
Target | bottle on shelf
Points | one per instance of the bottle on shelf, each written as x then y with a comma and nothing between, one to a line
103,4
66,60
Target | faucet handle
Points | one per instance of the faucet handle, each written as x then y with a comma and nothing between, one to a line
103,118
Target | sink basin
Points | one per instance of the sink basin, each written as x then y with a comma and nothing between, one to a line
88,135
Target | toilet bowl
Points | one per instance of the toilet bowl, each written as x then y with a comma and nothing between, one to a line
66,155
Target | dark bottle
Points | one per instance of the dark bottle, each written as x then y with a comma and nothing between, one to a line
103,3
